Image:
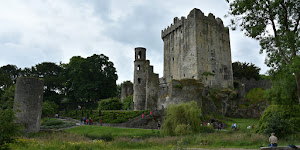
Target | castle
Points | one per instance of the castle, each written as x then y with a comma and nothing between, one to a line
196,47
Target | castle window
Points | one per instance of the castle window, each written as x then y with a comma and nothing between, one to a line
213,71
138,67
183,75
173,58
139,80
193,77
171,77
139,55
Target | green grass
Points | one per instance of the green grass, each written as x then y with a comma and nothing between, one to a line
85,138
114,131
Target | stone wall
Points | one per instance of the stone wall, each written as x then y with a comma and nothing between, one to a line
28,103
252,83
195,45
126,90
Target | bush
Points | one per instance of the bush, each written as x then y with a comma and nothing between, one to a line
280,119
206,129
52,122
255,95
49,108
8,129
182,118
127,103
105,137
110,104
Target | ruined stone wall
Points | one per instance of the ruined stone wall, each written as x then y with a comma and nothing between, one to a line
152,87
28,103
197,45
252,83
126,90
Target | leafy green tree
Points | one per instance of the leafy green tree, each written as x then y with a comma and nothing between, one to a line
275,23
54,80
7,99
182,119
8,129
245,70
49,108
284,88
91,79
280,119
110,104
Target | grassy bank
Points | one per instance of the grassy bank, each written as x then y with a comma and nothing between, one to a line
101,137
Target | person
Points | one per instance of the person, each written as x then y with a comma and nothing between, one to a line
100,122
220,126
273,140
84,120
158,125
143,116
81,120
87,121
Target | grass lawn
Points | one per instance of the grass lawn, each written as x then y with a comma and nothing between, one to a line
89,137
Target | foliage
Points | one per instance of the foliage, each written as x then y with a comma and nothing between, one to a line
106,116
110,104
276,25
128,102
49,108
7,98
51,123
105,137
284,88
245,70
283,120
206,129
8,129
187,114
255,95
91,79
207,74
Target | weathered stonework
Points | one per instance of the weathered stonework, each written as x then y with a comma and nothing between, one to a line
198,47
28,103
196,50
126,90
145,84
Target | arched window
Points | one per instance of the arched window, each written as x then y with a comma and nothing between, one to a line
138,67
139,55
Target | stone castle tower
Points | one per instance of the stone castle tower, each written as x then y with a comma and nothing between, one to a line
198,47
145,83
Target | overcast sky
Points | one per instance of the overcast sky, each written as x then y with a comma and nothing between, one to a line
36,31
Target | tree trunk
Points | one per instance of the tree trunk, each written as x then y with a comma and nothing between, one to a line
297,76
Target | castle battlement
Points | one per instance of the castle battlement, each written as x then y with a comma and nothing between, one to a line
193,13
176,24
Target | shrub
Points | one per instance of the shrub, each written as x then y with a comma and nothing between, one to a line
280,119
51,122
8,129
182,118
49,108
255,95
127,103
110,104
206,129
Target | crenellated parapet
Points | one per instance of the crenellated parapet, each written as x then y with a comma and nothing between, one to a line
176,24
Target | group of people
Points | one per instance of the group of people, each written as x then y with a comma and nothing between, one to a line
86,121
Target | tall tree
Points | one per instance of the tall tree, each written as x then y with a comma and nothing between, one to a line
91,79
275,23
246,70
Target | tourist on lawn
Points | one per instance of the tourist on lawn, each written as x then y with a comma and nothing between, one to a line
84,119
87,122
273,140
158,125
81,120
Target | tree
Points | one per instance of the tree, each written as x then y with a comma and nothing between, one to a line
275,23
110,104
8,76
54,80
91,79
246,70
182,119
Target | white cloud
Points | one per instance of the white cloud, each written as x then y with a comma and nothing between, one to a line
36,31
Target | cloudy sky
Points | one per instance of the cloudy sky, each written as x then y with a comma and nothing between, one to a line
36,31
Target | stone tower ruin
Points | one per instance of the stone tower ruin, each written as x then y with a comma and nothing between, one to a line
198,47
126,90
145,82
28,103
197,56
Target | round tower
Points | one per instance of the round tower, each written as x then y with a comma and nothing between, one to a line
139,80
28,103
